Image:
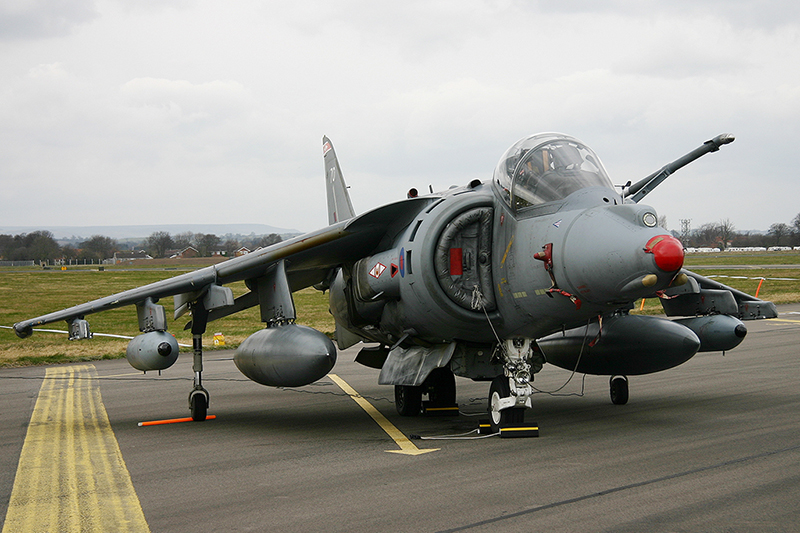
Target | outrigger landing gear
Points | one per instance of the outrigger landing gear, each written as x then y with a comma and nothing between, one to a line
198,398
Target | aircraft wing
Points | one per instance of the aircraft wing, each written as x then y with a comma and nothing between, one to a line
308,260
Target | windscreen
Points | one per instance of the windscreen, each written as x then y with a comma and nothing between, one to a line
547,167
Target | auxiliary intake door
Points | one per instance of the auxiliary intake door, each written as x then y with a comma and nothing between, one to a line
463,260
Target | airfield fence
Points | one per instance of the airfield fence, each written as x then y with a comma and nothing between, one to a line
17,263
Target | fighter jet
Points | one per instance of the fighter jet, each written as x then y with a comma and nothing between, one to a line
488,281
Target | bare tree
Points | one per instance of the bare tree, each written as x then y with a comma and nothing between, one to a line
183,240
269,240
158,243
707,234
779,230
230,246
726,231
207,243
796,229
98,247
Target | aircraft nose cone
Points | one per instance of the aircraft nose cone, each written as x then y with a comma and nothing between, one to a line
667,251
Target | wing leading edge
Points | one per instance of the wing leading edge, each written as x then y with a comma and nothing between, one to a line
308,260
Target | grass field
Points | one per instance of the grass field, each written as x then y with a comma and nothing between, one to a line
27,293
743,258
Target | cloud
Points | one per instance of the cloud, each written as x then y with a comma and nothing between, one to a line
179,101
184,106
764,14
41,19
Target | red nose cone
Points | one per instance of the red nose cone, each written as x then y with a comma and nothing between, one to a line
668,252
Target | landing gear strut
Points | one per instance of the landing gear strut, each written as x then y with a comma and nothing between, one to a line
198,398
510,394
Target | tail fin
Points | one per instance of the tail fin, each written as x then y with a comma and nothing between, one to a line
339,205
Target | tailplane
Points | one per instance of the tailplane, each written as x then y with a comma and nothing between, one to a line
339,205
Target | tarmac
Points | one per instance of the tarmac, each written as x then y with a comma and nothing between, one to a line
712,445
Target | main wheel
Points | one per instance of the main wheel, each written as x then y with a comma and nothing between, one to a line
442,387
199,406
507,417
408,399
619,390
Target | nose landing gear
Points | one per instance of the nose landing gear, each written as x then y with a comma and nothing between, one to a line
502,410
510,394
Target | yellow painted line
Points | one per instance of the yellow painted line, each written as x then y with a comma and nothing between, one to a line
406,446
784,320
71,475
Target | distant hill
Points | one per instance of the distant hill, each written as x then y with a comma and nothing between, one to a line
143,231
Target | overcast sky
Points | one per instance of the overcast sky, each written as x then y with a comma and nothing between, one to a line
184,111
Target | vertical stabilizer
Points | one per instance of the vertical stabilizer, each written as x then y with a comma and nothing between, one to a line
339,205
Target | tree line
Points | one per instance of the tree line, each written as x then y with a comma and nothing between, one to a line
41,246
723,235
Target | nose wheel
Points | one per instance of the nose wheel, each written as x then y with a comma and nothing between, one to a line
619,390
500,415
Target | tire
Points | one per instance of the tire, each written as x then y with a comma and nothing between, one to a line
507,417
408,399
199,407
441,384
619,390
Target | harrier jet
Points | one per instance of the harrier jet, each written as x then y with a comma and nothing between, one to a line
488,281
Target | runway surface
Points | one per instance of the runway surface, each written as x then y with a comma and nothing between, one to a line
712,445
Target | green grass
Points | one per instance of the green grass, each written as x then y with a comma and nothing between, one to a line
743,258
780,291
35,292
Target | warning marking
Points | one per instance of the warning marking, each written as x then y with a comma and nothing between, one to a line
377,270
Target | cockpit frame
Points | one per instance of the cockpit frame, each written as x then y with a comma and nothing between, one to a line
547,167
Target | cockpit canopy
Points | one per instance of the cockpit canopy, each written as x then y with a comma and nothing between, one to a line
547,167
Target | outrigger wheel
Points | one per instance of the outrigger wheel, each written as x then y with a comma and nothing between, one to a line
619,390
198,403
511,416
